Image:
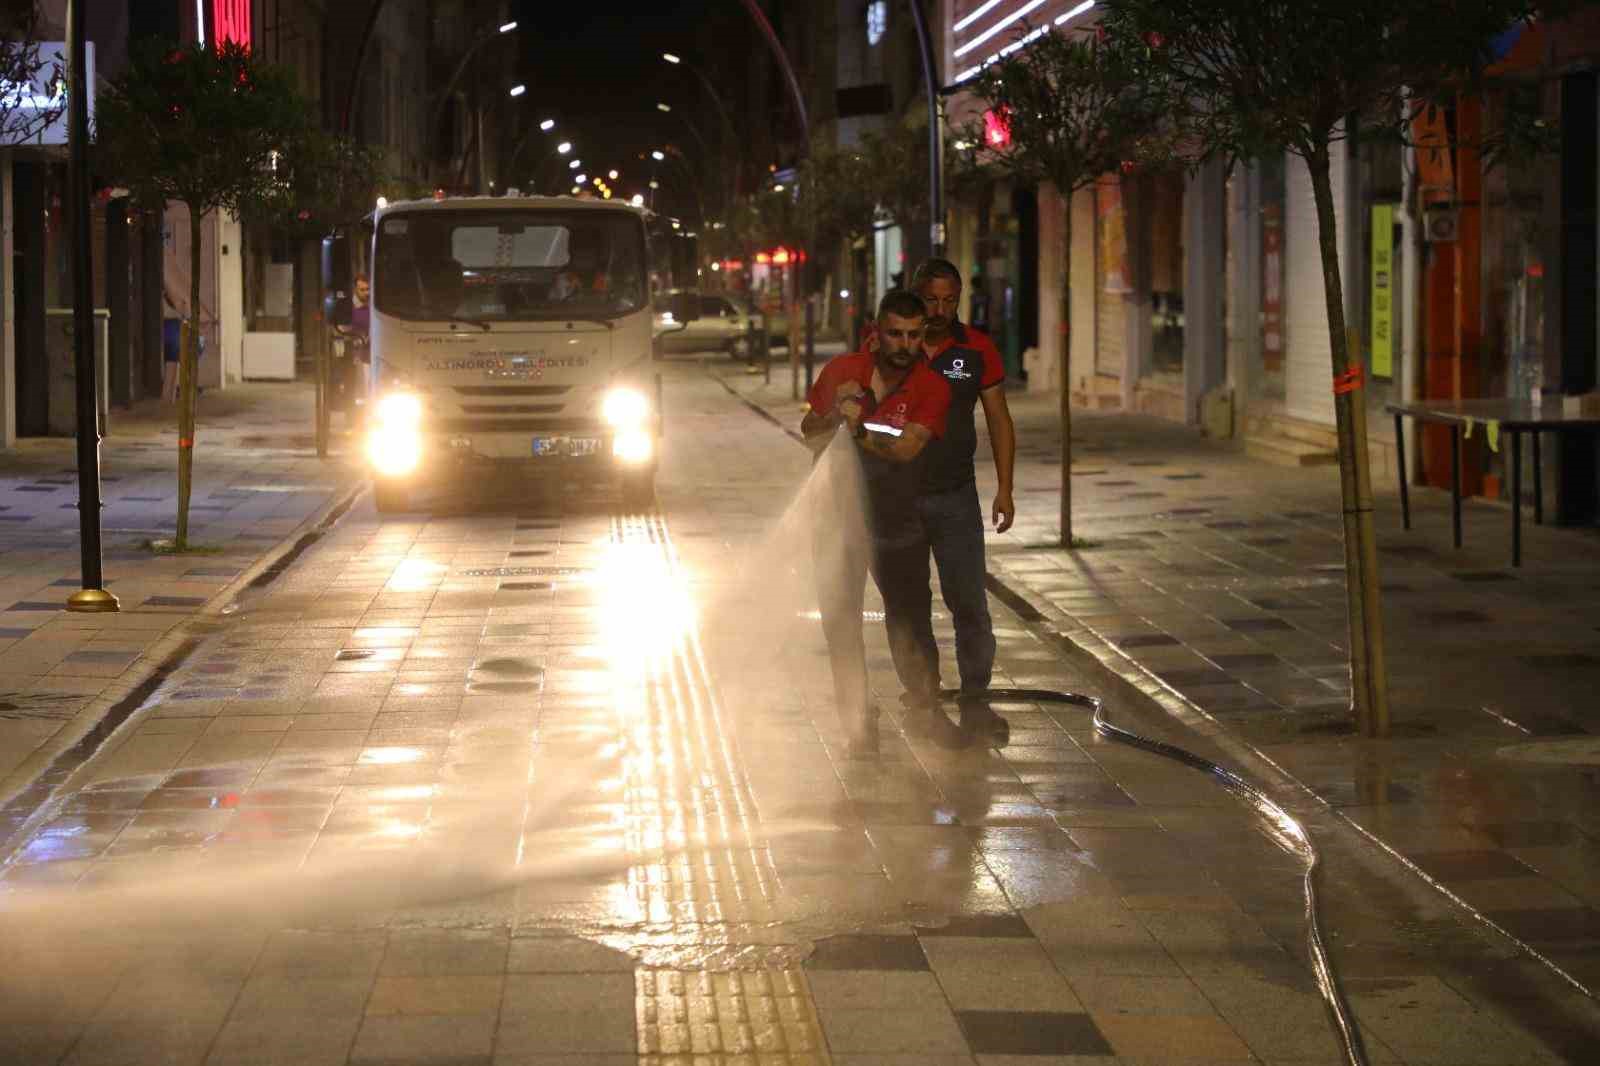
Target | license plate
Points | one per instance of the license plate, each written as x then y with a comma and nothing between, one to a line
565,445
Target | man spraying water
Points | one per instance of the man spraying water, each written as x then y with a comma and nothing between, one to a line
891,405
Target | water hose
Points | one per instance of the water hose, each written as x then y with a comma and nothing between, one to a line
1288,832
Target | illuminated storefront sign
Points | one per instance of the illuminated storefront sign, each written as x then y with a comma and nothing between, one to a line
24,108
230,21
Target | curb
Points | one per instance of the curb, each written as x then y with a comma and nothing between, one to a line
1092,650
49,772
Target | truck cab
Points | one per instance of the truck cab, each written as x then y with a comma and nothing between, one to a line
511,332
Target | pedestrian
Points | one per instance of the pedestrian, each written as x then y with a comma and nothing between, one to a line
891,405
357,333
952,516
173,322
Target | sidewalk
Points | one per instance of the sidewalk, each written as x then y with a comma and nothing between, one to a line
257,483
1214,584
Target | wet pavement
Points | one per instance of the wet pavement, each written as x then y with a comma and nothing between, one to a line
526,778
258,485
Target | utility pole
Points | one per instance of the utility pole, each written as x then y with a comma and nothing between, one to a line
92,596
935,131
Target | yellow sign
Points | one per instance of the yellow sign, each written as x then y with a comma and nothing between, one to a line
1382,291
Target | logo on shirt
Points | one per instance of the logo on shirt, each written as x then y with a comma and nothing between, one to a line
957,370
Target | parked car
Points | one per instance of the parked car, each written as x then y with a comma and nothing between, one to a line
722,326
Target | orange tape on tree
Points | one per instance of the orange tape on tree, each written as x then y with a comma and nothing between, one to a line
186,442
1349,381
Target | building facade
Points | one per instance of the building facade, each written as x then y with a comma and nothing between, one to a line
1200,297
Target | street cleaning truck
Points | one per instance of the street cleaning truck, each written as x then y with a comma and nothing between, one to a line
512,332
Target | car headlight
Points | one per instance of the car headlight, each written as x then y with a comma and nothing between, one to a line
625,407
400,409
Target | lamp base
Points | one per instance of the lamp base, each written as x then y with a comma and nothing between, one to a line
92,600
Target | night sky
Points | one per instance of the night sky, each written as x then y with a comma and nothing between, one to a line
597,70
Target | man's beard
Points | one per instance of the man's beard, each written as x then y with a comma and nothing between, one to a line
900,360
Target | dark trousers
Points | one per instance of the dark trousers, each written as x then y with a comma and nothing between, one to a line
900,570
952,522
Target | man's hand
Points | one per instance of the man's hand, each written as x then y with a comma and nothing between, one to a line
852,412
1005,512
845,390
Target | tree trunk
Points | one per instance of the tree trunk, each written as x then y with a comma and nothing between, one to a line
188,365
1066,371
1368,675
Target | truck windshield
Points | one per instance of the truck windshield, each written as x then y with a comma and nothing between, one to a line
509,265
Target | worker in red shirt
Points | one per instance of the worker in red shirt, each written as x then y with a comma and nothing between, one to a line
887,406
952,516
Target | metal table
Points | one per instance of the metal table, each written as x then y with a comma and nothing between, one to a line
1513,418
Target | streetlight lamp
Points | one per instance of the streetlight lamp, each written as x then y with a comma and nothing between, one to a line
518,90
516,153
559,150
730,136
461,68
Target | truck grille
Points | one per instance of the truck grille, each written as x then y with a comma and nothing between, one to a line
513,390
511,408
521,425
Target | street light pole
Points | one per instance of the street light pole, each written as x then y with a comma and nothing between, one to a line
461,68
730,135
935,132
92,596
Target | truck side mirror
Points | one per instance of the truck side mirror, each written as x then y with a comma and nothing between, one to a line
685,306
336,263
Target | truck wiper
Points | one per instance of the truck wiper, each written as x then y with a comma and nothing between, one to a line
480,323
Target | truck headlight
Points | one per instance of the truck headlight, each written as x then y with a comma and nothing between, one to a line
633,446
394,447
398,409
625,408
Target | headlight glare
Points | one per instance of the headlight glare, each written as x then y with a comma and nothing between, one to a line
394,451
633,446
625,407
400,409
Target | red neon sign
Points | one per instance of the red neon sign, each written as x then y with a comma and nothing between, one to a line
230,21
997,128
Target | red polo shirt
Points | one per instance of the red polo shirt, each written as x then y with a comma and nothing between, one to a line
922,397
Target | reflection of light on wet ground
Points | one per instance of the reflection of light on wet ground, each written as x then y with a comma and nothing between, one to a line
391,756
415,575
815,615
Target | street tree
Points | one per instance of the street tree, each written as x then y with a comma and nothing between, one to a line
1248,79
1063,111
25,112
202,127
841,192
326,183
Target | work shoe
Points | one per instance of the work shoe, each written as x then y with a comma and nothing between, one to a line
921,711
946,734
978,720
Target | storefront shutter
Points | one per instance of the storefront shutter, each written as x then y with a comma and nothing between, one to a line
1308,371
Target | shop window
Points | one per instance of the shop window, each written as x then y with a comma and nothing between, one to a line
1166,258
1513,266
